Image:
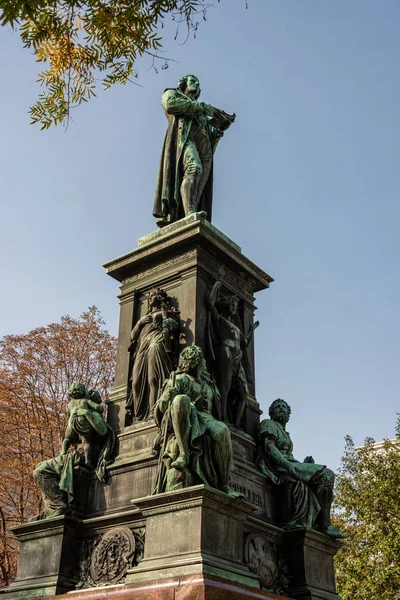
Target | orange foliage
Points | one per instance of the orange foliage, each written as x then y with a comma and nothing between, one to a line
36,370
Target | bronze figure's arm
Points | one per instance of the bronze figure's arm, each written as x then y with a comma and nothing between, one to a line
212,299
277,457
176,103
250,334
137,329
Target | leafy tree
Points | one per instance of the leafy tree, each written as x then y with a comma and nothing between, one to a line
83,42
368,510
36,370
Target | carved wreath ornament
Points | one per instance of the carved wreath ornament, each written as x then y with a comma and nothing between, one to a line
112,555
261,560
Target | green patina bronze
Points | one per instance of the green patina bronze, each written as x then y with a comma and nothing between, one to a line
155,348
308,486
88,445
193,446
227,347
184,183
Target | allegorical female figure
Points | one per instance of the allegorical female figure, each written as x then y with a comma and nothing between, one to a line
155,348
193,446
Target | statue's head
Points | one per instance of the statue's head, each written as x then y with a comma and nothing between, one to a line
280,411
189,85
156,298
191,359
233,303
93,395
228,305
77,390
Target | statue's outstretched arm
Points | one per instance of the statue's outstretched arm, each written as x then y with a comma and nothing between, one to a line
212,299
178,104
250,333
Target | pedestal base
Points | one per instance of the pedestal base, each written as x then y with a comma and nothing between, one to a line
48,561
204,529
186,588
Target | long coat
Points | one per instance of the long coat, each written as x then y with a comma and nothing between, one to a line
179,110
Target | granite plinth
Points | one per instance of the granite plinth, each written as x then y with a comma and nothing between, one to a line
183,588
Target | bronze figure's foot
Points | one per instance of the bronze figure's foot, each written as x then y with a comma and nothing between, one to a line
180,463
202,213
228,490
335,533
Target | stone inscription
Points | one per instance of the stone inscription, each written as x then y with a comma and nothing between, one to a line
249,494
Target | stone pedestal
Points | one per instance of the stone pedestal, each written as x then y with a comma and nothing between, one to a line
309,556
185,259
204,529
48,561
196,543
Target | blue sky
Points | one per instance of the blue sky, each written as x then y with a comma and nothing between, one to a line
306,182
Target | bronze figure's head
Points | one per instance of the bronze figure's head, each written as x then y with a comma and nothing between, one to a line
190,86
280,411
191,360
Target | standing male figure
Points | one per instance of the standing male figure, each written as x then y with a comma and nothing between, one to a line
228,344
184,183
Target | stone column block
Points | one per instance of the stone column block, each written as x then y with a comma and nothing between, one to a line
193,531
309,556
185,259
48,558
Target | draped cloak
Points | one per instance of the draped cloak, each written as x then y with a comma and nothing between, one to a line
305,503
180,111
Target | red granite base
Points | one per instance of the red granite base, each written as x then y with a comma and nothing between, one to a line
197,587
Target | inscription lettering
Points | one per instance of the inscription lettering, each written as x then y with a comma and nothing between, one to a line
249,494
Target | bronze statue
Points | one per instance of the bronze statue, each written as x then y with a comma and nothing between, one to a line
231,369
155,348
184,183
93,443
85,411
310,485
193,446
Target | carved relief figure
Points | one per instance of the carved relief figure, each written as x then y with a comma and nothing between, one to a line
184,183
309,486
112,556
93,442
231,369
261,559
193,446
155,349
